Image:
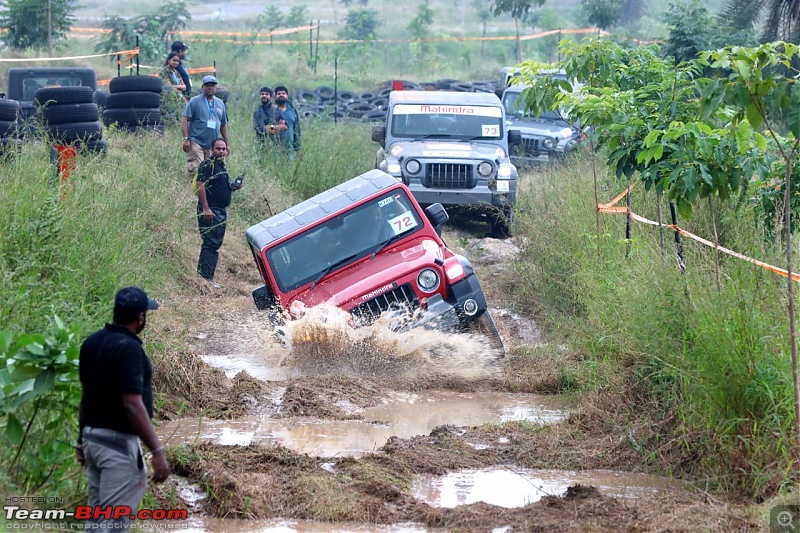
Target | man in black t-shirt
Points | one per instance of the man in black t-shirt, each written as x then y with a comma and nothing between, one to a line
213,198
116,408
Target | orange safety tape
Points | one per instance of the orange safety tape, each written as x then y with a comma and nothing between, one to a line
200,70
282,31
29,59
612,209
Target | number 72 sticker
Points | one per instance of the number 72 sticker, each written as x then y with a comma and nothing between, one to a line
402,223
490,130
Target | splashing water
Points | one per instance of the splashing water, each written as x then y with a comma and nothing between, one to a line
324,341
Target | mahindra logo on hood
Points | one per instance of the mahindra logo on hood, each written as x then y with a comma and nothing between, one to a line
377,292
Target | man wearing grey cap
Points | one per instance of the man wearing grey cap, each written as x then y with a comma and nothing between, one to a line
204,119
116,408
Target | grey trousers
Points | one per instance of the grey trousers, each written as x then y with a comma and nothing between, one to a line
116,471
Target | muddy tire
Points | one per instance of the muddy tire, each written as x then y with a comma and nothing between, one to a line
484,325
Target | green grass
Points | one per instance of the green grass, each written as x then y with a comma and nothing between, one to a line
715,358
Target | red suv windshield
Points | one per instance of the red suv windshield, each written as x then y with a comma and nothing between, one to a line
343,239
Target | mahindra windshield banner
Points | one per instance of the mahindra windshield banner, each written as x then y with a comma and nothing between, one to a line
424,109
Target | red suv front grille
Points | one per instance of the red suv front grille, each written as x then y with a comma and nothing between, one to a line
402,297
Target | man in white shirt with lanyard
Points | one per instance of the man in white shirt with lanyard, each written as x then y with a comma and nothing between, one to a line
204,119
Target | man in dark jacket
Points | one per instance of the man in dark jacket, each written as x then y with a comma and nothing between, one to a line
213,198
181,49
116,408
264,120
289,131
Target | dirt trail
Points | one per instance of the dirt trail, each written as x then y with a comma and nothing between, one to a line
332,372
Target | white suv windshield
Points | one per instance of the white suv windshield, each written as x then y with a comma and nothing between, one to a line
442,121
326,248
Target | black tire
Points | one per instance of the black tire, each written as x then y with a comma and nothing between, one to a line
377,115
501,221
325,93
132,116
152,84
381,102
9,110
100,98
484,325
69,133
95,146
366,96
462,87
345,96
307,96
26,109
63,95
128,99
385,93
64,113
445,84
360,107
9,128
223,94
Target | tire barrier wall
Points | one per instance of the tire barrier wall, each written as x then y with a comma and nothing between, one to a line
70,117
133,103
371,106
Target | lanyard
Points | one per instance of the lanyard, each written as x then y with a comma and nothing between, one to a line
211,108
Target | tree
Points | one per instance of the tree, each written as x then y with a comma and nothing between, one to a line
781,18
153,31
418,26
688,24
518,9
361,25
25,22
297,16
602,13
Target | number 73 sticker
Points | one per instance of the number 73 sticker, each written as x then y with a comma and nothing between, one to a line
490,130
402,223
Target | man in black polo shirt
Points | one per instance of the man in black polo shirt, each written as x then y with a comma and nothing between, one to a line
213,189
116,408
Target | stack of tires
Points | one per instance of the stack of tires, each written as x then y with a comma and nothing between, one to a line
9,125
133,103
69,116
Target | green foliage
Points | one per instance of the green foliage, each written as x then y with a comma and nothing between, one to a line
24,22
153,31
361,24
297,16
419,26
713,361
39,397
602,13
272,18
689,30
518,9
779,19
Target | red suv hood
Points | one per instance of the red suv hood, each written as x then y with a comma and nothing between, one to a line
366,279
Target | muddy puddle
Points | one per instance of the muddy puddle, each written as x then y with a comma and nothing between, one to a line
402,415
229,525
507,487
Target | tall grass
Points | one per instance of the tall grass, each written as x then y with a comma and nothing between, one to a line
717,358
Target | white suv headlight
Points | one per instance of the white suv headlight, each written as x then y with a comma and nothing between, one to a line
485,169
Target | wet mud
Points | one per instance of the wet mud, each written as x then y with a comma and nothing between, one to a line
315,426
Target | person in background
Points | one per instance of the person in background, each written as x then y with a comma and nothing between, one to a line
170,73
264,118
289,130
204,119
116,409
213,189
181,49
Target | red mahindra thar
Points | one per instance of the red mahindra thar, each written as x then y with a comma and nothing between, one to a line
367,247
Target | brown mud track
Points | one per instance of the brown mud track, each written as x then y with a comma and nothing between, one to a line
331,373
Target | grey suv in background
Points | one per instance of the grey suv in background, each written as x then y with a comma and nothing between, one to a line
451,148
546,138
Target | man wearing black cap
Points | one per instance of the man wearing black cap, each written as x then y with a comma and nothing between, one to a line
116,408
181,49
